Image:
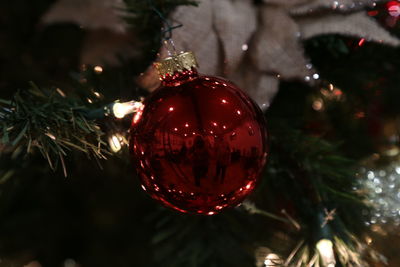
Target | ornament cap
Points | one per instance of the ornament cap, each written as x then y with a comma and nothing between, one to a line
176,63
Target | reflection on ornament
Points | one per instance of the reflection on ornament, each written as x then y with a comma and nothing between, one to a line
382,185
120,110
325,250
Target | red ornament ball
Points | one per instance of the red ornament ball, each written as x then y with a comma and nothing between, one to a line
199,143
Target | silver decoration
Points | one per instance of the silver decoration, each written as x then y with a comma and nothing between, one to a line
382,185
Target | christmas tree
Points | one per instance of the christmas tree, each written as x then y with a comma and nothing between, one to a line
277,146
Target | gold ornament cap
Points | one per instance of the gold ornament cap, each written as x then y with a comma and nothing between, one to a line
179,62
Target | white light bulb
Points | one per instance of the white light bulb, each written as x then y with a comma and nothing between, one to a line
115,143
272,260
325,249
120,110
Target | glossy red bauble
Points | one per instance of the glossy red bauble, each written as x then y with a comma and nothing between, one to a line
199,143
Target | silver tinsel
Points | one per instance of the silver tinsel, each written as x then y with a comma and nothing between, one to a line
382,185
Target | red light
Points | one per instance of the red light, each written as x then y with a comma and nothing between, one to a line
361,42
359,115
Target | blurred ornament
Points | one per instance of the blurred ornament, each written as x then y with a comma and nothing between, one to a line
199,143
379,178
257,45
328,95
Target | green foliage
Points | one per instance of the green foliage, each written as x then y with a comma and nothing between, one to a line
310,169
199,241
47,120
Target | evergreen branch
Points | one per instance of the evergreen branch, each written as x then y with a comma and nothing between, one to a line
214,241
252,209
53,124
310,175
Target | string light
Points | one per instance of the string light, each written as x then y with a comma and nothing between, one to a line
325,250
60,92
272,260
120,110
265,257
51,136
98,69
116,142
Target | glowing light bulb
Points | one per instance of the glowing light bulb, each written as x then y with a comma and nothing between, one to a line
98,69
51,136
114,143
120,110
272,260
325,250
61,92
